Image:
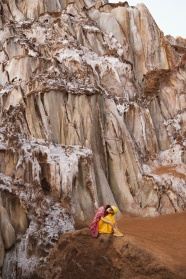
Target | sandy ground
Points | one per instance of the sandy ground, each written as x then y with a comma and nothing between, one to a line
165,235
151,248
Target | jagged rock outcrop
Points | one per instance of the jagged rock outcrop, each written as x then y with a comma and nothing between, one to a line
92,111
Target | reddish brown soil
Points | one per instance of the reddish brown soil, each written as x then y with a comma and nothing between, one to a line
152,248
165,235
169,170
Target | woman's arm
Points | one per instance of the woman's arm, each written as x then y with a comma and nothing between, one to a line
108,222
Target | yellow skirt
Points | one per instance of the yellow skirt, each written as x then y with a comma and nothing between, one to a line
104,227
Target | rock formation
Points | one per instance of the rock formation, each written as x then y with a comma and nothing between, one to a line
92,111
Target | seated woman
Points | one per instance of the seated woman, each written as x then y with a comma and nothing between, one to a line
104,221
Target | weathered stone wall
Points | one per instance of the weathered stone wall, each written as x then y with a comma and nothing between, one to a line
92,111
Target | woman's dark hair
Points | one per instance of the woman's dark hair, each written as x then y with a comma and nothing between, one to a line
106,207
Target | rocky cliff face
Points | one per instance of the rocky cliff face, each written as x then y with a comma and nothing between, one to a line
92,111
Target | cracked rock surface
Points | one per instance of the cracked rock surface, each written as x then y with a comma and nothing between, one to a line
92,111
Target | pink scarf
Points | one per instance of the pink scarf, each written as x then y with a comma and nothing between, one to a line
100,212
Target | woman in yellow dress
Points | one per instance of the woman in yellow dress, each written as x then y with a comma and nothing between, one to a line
107,224
104,221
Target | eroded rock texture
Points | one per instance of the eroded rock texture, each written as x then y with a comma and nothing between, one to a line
92,111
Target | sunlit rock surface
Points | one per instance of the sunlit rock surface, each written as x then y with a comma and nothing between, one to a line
92,111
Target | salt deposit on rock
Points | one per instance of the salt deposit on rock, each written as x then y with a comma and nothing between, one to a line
92,111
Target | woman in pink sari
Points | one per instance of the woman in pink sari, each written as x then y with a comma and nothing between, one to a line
100,220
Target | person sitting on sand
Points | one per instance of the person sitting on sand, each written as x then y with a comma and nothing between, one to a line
104,221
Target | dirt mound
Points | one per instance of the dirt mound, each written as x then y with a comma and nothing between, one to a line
79,255
150,248
164,235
